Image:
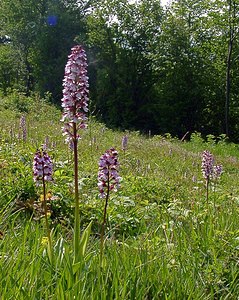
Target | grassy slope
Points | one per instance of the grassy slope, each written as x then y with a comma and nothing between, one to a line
163,242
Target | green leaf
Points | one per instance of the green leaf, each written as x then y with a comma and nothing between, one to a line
84,239
83,243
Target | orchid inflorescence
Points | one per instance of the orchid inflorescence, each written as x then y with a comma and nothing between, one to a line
23,128
75,93
124,142
207,164
108,177
46,144
42,167
209,170
217,171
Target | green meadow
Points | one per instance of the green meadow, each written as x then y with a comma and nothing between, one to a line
163,238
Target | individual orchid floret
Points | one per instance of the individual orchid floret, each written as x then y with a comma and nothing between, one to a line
124,142
207,164
75,93
42,167
108,177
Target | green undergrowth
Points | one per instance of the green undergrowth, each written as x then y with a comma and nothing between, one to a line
163,239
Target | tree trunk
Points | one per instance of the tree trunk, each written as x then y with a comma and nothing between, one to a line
228,70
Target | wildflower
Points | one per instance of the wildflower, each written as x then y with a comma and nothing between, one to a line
44,241
75,104
11,133
46,144
48,197
23,128
209,170
75,94
207,164
42,167
42,172
53,144
217,171
124,142
108,178
194,178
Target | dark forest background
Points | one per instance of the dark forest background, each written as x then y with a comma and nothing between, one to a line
167,69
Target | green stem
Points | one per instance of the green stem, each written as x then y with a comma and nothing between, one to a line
77,202
207,188
104,218
46,220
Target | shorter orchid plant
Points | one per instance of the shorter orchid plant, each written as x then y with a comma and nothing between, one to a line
23,128
124,142
210,171
108,180
42,173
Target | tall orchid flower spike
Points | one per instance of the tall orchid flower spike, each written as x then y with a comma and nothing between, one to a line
75,94
75,106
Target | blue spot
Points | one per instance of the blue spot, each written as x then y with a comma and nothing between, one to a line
52,20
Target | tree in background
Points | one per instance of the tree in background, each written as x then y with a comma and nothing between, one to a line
119,38
178,67
41,32
18,22
170,69
10,69
231,101
63,22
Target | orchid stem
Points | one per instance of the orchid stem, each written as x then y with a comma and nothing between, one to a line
46,221
77,202
104,219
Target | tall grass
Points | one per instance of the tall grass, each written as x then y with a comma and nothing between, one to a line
162,239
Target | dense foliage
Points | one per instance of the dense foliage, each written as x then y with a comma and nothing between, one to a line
165,69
